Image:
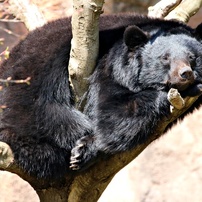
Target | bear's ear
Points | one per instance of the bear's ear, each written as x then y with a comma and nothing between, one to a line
198,31
134,36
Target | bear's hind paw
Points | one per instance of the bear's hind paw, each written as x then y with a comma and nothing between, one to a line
6,155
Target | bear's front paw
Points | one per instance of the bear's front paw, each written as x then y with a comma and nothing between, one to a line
83,154
6,155
175,99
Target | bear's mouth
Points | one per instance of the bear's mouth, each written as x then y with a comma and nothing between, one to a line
180,86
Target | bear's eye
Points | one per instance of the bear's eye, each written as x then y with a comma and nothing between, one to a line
165,58
192,59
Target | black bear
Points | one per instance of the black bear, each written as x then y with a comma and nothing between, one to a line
139,60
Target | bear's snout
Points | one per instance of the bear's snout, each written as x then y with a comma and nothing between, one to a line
186,73
181,77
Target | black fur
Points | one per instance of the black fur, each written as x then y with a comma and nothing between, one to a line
128,91
125,100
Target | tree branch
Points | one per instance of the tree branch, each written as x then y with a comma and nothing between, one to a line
185,10
162,8
180,10
27,12
9,80
84,50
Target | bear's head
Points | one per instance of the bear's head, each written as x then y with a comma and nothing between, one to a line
172,58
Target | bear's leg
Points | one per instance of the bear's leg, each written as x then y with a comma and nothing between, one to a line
40,158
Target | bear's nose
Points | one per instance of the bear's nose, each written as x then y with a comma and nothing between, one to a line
186,73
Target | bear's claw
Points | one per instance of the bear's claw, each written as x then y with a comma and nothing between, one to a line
82,155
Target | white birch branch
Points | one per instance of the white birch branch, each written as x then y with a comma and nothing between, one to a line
27,12
162,8
180,10
185,10
84,44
